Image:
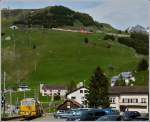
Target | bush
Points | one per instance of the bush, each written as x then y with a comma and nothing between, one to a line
107,37
57,97
86,40
108,45
143,65
34,46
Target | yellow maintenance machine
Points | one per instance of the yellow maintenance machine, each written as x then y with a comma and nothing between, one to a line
30,107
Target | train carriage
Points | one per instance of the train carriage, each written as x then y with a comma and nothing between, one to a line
30,107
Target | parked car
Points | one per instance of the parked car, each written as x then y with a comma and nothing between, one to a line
59,113
67,114
77,114
110,111
129,115
140,119
91,115
110,118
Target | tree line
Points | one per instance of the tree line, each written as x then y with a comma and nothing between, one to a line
138,41
54,16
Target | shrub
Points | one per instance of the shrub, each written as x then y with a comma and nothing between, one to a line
107,37
143,65
57,97
86,40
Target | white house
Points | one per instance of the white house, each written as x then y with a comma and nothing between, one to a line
114,79
127,77
49,90
23,88
13,27
132,98
78,95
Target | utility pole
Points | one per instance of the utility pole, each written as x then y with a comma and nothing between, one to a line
4,100
35,65
84,92
35,95
10,99
24,94
4,80
38,90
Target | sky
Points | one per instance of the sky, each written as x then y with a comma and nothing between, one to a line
119,13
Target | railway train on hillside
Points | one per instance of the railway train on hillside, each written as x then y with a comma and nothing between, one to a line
30,107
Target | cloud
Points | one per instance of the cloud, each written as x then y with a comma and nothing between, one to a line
42,3
121,13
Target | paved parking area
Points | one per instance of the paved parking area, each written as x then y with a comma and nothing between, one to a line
48,117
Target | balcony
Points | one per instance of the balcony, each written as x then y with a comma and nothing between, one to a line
134,104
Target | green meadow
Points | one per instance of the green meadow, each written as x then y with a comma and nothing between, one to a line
35,56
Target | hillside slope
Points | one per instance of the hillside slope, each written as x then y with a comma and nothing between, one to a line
46,56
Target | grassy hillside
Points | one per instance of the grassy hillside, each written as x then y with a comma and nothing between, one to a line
37,55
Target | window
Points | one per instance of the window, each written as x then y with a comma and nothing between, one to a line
112,99
45,94
129,100
85,91
27,103
73,97
143,100
81,91
125,100
134,100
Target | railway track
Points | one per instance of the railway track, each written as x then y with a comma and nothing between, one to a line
18,118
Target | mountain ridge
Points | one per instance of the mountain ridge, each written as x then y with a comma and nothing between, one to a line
55,16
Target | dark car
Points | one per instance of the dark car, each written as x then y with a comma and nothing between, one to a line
140,119
110,118
91,115
110,111
129,115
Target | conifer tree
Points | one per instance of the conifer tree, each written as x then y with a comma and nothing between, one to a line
98,90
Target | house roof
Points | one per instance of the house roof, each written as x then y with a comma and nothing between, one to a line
69,100
128,90
124,90
76,90
49,87
126,74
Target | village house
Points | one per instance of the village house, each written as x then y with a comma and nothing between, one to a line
78,95
69,104
13,27
132,98
23,88
127,77
49,90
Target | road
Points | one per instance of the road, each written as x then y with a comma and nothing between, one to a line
47,117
